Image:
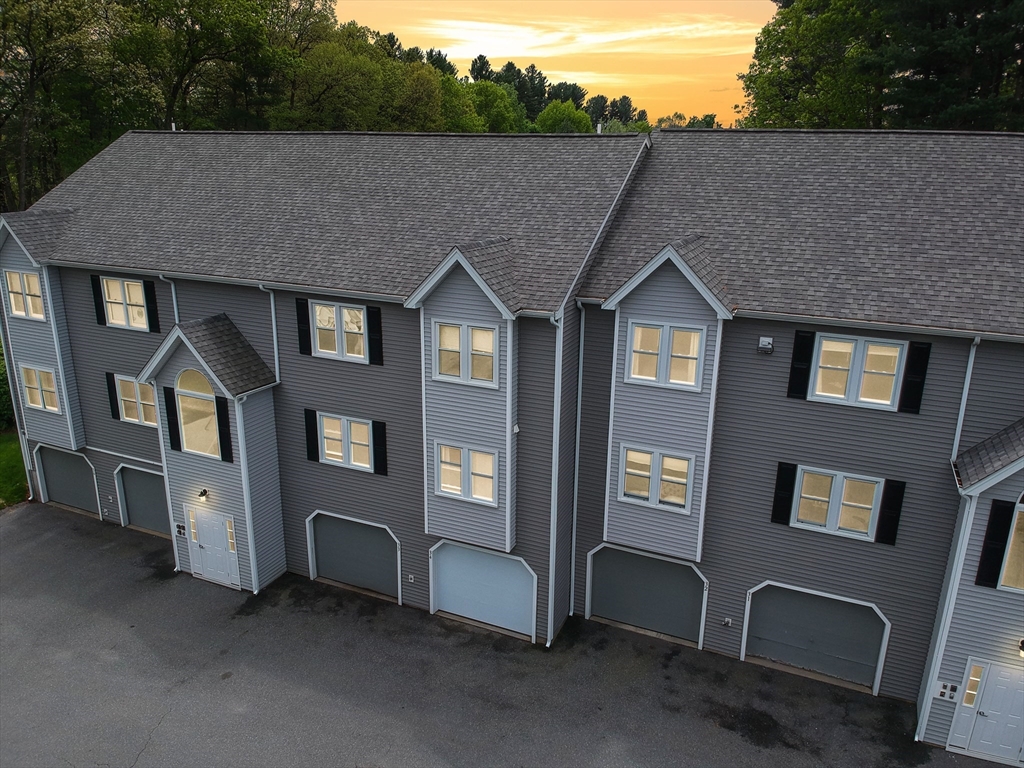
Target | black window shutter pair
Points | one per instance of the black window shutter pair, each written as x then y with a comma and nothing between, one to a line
993,548
374,332
223,424
888,513
115,405
148,290
914,371
378,430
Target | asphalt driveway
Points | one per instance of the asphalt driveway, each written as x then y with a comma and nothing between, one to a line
107,657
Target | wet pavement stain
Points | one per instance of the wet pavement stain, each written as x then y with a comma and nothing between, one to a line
757,727
895,732
160,563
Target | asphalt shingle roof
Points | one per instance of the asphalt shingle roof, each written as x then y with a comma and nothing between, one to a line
372,213
990,455
916,228
493,259
39,230
228,353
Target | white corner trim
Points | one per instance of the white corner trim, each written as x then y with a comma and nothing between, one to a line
122,504
511,380
167,484
668,253
611,428
707,444
556,431
63,394
311,549
44,494
576,461
440,272
243,463
423,407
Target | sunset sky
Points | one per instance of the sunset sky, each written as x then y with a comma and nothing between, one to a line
667,55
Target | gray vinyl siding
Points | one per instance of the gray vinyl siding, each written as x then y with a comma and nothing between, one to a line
101,349
757,426
392,393
661,418
986,623
260,430
106,465
566,463
59,319
467,416
598,335
189,473
248,308
996,396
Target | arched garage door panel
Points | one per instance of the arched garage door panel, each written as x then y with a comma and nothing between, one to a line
69,479
483,586
356,553
646,592
144,500
830,636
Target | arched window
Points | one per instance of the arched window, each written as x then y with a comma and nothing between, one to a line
198,413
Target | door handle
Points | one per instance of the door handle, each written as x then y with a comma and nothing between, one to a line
202,547
982,713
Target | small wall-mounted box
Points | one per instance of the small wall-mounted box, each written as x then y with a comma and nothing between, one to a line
945,691
766,345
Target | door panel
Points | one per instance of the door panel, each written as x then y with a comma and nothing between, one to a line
69,479
144,500
998,720
355,553
212,548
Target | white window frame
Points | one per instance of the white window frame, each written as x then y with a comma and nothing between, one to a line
24,295
1018,511
654,499
339,332
24,388
138,401
467,473
664,355
181,422
835,503
857,362
346,440
465,354
124,303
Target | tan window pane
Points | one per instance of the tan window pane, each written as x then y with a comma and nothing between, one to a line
451,478
231,534
49,400
483,488
482,463
832,381
326,340
973,683
324,315
646,339
360,432
35,306
674,469
645,366
148,414
31,377
14,282
34,397
17,303
134,291
32,284
483,340
860,492
813,511
354,345
817,486
836,354
685,343
146,395
354,320
1013,571
449,336
130,408
46,380
449,363
854,518
126,388
360,455
483,367
451,455
637,485
683,370
332,428
881,358
116,314
112,290
137,316
673,493
193,381
199,425
877,387
638,461
333,449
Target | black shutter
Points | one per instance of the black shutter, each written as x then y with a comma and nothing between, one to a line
800,366
380,448
173,430
312,436
889,511
913,377
785,487
115,408
97,300
375,336
302,320
993,548
224,429
152,315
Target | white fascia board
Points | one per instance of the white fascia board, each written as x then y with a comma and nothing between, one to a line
7,227
415,301
995,478
156,362
668,253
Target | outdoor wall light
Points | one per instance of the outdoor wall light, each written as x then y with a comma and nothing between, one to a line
766,345
203,494
1020,647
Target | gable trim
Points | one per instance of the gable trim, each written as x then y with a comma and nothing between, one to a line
167,346
20,244
441,271
668,253
994,479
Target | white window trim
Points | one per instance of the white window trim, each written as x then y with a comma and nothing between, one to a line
346,439
339,332
1018,510
856,379
835,501
181,424
24,295
124,303
24,388
465,354
467,488
138,401
665,355
656,456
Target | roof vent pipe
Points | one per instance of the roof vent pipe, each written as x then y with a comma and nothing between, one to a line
598,127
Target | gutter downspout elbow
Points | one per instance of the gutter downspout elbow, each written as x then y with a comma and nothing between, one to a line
174,297
273,325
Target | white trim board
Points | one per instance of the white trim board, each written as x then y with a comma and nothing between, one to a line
121,503
440,272
311,549
44,496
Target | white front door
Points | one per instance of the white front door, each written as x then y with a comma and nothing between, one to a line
211,545
990,716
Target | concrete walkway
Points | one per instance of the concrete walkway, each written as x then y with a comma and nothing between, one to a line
107,657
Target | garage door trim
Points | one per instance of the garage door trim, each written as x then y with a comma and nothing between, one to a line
872,606
641,553
533,573
44,496
311,551
122,504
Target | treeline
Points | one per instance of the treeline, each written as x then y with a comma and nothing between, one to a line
76,74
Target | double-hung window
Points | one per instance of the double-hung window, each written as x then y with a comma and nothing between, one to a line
836,502
1012,575
40,388
667,355
656,478
25,295
136,400
858,371
125,303
340,331
465,353
467,474
197,409
345,442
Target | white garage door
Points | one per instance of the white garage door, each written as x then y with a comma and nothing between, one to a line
483,586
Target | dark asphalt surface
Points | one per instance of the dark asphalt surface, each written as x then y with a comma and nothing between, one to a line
109,658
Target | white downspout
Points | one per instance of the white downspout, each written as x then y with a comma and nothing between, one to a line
243,461
963,398
555,437
273,325
174,297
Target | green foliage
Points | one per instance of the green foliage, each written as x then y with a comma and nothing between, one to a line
568,92
457,111
494,105
679,120
12,470
6,405
617,126
563,117
597,108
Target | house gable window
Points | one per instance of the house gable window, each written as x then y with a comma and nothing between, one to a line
25,297
40,388
857,371
136,401
124,302
1012,575
465,353
664,355
345,442
655,478
466,474
836,502
197,409
339,331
